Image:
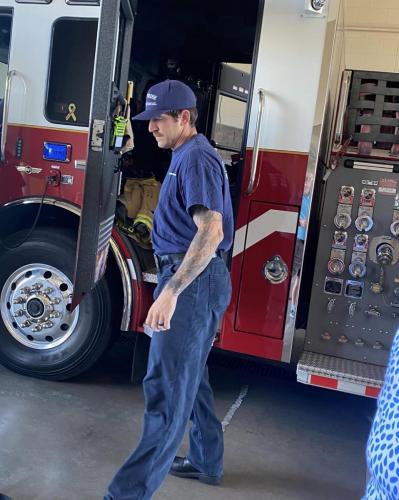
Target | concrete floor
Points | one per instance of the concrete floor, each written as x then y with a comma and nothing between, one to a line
287,441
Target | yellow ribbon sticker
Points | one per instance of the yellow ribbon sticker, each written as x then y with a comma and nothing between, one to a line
71,114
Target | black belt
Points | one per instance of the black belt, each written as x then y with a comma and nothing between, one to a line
175,258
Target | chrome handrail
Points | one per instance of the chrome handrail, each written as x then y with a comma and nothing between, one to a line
345,84
6,107
255,154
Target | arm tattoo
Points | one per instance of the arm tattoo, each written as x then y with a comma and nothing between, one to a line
201,249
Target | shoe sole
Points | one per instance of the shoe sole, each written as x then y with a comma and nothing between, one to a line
202,478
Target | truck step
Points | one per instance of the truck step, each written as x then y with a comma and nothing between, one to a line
340,374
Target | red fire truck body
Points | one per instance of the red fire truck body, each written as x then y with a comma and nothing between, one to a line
58,174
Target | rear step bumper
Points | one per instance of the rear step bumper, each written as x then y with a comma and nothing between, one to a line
340,374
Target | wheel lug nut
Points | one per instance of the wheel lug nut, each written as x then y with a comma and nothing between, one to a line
37,286
25,289
48,290
55,314
20,312
48,324
19,300
26,323
55,301
37,328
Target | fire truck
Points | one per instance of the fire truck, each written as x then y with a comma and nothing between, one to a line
274,100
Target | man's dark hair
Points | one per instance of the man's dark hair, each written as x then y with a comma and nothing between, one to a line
175,113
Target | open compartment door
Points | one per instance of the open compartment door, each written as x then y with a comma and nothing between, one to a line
114,41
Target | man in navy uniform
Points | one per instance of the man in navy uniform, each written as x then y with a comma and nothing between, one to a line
193,225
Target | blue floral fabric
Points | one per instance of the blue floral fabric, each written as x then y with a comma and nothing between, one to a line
383,442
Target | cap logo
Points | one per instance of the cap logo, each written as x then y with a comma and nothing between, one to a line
169,94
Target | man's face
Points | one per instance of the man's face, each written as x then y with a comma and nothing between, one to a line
167,130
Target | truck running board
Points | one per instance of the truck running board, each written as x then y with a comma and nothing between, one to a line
340,374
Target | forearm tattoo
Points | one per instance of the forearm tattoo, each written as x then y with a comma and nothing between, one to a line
201,249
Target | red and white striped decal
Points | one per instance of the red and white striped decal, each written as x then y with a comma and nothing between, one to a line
338,385
282,221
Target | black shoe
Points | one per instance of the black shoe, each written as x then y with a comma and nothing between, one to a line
182,467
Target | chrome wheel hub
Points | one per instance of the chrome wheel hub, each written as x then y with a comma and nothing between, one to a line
34,306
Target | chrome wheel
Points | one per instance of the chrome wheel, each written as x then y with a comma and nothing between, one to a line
34,306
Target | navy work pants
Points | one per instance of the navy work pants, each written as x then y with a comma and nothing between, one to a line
176,388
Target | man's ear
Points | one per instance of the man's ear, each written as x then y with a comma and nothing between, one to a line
185,116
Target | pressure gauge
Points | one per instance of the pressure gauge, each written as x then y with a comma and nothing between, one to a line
318,4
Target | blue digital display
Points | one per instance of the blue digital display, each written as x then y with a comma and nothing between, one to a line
56,152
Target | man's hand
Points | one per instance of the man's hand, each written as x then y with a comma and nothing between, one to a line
198,256
161,311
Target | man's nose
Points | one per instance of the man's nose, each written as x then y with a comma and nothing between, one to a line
152,126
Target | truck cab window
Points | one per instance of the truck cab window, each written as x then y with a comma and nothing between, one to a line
5,30
230,117
71,71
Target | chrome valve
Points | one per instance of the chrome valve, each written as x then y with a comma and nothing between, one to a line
336,266
275,270
373,312
361,241
340,238
346,194
342,221
330,304
352,309
364,223
384,254
395,228
357,269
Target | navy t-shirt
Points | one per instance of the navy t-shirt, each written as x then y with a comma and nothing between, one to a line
196,176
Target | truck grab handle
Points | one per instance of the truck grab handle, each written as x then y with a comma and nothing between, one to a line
6,107
343,99
255,153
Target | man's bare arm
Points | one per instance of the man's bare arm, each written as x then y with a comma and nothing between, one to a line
201,249
198,256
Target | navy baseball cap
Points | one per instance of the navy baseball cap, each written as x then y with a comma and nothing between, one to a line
165,96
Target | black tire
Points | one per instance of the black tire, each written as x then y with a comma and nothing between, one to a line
92,332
